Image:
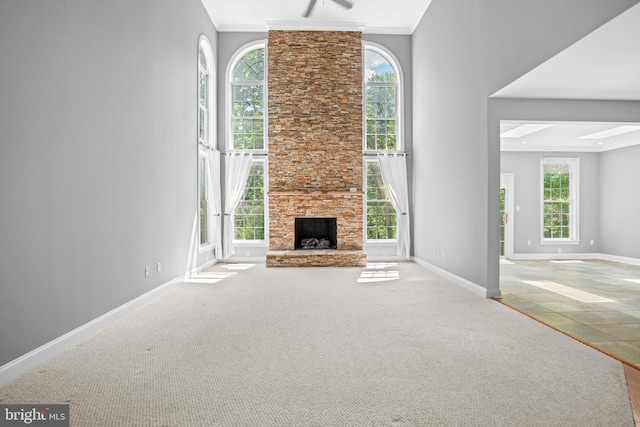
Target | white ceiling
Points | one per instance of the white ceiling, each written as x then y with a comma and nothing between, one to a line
369,16
603,65
567,137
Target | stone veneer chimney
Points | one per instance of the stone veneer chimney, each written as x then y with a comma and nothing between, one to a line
315,143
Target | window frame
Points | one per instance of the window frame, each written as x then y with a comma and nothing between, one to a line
233,62
205,144
399,85
573,164
258,154
371,155
366,200
258,242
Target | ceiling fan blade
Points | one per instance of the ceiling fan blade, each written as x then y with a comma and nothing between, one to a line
344,3
312,3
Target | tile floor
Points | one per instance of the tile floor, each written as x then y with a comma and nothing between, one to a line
594,300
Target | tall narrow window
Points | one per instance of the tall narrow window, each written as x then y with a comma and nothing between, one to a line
203,95
559,190
204,136
247,132
247,87
381,102
202,194
382,133
249,215
381,216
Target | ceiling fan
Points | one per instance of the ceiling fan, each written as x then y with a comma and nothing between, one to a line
344,3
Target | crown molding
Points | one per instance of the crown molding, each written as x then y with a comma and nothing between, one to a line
315,26
389,30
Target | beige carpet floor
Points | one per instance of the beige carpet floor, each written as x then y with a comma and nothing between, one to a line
392,345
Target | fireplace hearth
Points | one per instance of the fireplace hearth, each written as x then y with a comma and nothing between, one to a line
316,233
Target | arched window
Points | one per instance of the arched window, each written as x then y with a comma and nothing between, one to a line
205,142
247,80
382,134
246,106
383,84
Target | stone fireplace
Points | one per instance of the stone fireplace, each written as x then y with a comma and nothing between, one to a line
315,144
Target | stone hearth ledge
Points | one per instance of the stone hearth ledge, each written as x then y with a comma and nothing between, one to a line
317,258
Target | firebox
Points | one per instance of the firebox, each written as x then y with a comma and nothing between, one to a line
316,233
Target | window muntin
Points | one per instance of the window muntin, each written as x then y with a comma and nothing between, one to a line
248,101
249,216
559,194
381,102
381,215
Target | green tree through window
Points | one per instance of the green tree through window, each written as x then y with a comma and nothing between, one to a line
556,210
381,216
249,215
247,87
380,103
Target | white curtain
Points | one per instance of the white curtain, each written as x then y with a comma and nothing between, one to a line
394,177
237,167
214,208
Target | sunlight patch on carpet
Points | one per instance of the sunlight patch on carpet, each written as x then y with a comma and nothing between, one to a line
381,265
239,266
378,276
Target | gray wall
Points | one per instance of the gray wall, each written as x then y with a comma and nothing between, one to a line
620,202
526,171
462,53
97,157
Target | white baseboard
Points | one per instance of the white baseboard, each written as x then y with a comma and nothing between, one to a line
243,260
44,353
622,259
605,257
550,256
386,258
466,284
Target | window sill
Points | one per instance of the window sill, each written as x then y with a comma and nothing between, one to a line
251,243
205,248
559,242
382,242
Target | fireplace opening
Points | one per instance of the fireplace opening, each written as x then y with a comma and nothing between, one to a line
316,233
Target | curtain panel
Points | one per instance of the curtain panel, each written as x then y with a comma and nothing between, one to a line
394,177
237,167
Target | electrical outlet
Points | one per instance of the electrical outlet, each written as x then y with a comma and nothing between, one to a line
528,242
159,267
593,242
443,254
146,271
